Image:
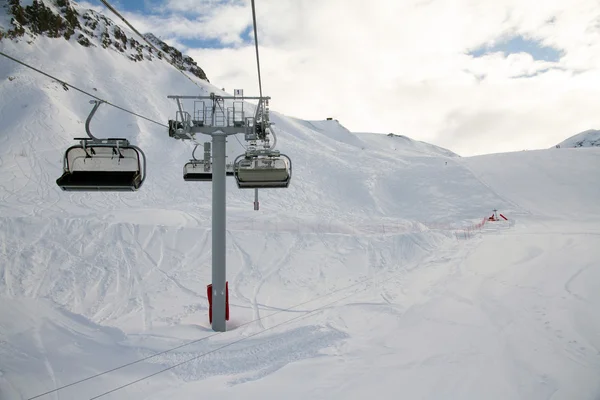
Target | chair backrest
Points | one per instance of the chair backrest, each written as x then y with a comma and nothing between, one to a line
102,158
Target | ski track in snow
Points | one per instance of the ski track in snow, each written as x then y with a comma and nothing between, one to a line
572,278
143,295
42,349
277,265
240,279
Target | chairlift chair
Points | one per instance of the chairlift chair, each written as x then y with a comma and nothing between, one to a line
199,171
260,172
111,164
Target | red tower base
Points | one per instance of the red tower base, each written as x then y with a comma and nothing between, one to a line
209,295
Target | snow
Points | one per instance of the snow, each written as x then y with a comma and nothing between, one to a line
355,270
555,184
589,138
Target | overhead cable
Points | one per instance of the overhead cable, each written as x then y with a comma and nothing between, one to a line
80,90
111,8
256,46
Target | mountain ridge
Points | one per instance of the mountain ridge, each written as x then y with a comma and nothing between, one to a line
68,20
588,138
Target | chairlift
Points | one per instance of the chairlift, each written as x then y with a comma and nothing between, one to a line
111,164
263,172
197,171
174,125
201,170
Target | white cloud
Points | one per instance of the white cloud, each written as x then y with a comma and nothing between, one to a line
192,19
403,66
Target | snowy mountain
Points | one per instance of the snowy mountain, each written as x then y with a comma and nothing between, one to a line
374,272
589,138
67,20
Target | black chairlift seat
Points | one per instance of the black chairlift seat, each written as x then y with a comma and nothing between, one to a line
100,180
103,165
263,173
195,171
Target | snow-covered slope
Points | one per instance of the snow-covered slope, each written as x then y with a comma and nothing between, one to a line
24,21
548,184
354,271
589,138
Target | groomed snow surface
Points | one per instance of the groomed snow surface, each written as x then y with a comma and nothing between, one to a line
358,281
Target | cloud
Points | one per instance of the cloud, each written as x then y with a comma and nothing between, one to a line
195,7
179,21
406,66
225,21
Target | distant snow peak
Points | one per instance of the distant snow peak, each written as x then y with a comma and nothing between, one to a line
589,138
62,18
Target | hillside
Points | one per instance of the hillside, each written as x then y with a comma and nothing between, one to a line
367,275
589,138
65,19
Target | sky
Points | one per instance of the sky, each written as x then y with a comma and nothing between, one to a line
473,76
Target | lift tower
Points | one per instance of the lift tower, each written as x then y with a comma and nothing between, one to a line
211,117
